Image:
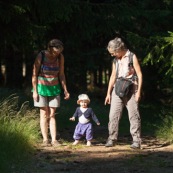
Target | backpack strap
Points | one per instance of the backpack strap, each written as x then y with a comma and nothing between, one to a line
116,67
42,59
134,77
131,59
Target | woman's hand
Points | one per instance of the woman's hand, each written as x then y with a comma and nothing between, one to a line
137,97
67,95
108,99
35,96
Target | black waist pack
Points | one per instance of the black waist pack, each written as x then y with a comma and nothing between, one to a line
123,86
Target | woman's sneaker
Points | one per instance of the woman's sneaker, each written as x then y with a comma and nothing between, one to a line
110,143
55,143
46,143
136,145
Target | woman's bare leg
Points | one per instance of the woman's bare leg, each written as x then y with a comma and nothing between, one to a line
44,116
52,123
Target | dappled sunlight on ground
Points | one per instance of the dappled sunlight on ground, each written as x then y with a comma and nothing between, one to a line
154,157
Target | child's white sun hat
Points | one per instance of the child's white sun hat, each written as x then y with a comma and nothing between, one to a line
83,97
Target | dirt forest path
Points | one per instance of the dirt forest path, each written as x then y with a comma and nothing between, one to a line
154,157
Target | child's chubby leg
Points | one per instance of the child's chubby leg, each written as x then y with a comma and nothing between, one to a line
89,134
89,144
75,142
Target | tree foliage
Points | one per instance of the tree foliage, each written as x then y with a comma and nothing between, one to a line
85,27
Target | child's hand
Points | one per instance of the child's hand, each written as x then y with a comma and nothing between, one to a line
98,124
72,119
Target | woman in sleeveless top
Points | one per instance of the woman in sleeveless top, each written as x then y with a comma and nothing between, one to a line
48,70
117,49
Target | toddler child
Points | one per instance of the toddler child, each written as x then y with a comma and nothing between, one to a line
84,114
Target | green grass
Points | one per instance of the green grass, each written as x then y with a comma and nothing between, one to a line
165,128
17,134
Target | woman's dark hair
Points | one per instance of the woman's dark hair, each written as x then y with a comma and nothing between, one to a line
56,43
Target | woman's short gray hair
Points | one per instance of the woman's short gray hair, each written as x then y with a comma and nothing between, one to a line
116,44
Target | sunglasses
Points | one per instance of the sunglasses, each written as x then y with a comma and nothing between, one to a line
58,47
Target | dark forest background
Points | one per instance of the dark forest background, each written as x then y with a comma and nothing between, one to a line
85,27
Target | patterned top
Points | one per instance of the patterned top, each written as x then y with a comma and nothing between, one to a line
48,83
124,68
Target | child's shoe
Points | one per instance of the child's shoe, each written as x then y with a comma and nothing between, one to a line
75,142
88,144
